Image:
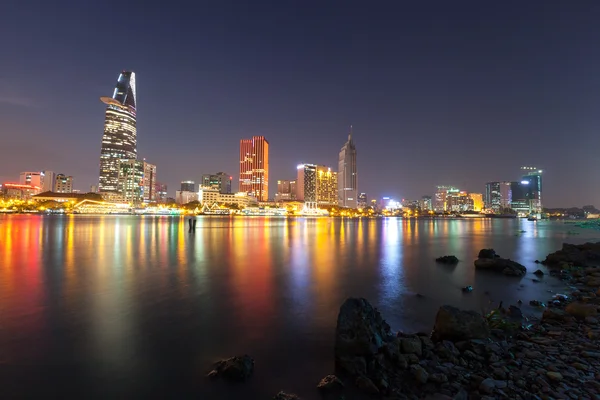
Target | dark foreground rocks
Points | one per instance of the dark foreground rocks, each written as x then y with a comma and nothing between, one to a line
581,255
237,368
470,356
490,261
450,260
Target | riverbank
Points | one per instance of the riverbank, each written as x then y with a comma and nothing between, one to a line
499,355
493,356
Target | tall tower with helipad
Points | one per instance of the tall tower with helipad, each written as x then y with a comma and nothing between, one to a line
119,141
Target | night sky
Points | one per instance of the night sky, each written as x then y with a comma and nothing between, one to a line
440,92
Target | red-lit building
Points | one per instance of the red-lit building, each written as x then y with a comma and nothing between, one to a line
17,191
254,167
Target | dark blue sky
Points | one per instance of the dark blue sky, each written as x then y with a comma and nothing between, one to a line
438,92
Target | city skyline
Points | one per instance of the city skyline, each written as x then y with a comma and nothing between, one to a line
426,114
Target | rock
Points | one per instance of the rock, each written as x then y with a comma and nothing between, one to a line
487,386
593,282
535,355
354,366
539,272
591,320
487,253
360,329
285,396
537,303
579,255
514,313
554,314
237,368
366,385
456,325
438,378
506,266
461,395
419,373
447,260
581,310
555,376
538,262
411,346
330,383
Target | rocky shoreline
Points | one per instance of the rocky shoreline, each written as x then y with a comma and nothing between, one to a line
501,355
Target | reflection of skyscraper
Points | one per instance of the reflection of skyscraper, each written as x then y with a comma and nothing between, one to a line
120,136
347,179
254,167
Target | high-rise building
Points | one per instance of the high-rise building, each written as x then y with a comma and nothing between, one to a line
63,184
519,201
362,200
160,190
533,193
149,183
306,184
119,141
440,202
33,179
49,180
425,203
347,175
219,181
130,184
317,184
458,201
188,186
327,186
286,190
254,167
477,199
498,196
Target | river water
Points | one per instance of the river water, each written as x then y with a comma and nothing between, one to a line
138,307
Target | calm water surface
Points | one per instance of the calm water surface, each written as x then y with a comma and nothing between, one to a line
114,307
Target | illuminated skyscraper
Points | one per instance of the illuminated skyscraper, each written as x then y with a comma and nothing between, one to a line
131,181
119,141
347,179
317,184
254,167
63,184
533,192
149,183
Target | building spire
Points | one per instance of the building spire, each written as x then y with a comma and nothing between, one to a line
350,134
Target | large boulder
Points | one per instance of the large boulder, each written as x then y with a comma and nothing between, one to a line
451,260
457,325
503,265
285,396
578,255
360,329
237,368
487,253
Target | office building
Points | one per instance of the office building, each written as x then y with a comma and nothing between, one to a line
347,175
93,188
519,201
317,184
184,196
498,196
220,181
362,200
425,203
532,180
33,179
306,184
254,167
327,186
63,184
477,201
440,201
209,196
119,141
160,192
130,183
49,181
149,182
17,191
188,186
458,201
286,190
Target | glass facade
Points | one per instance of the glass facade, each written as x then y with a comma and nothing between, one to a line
347,178
120,135
131,181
